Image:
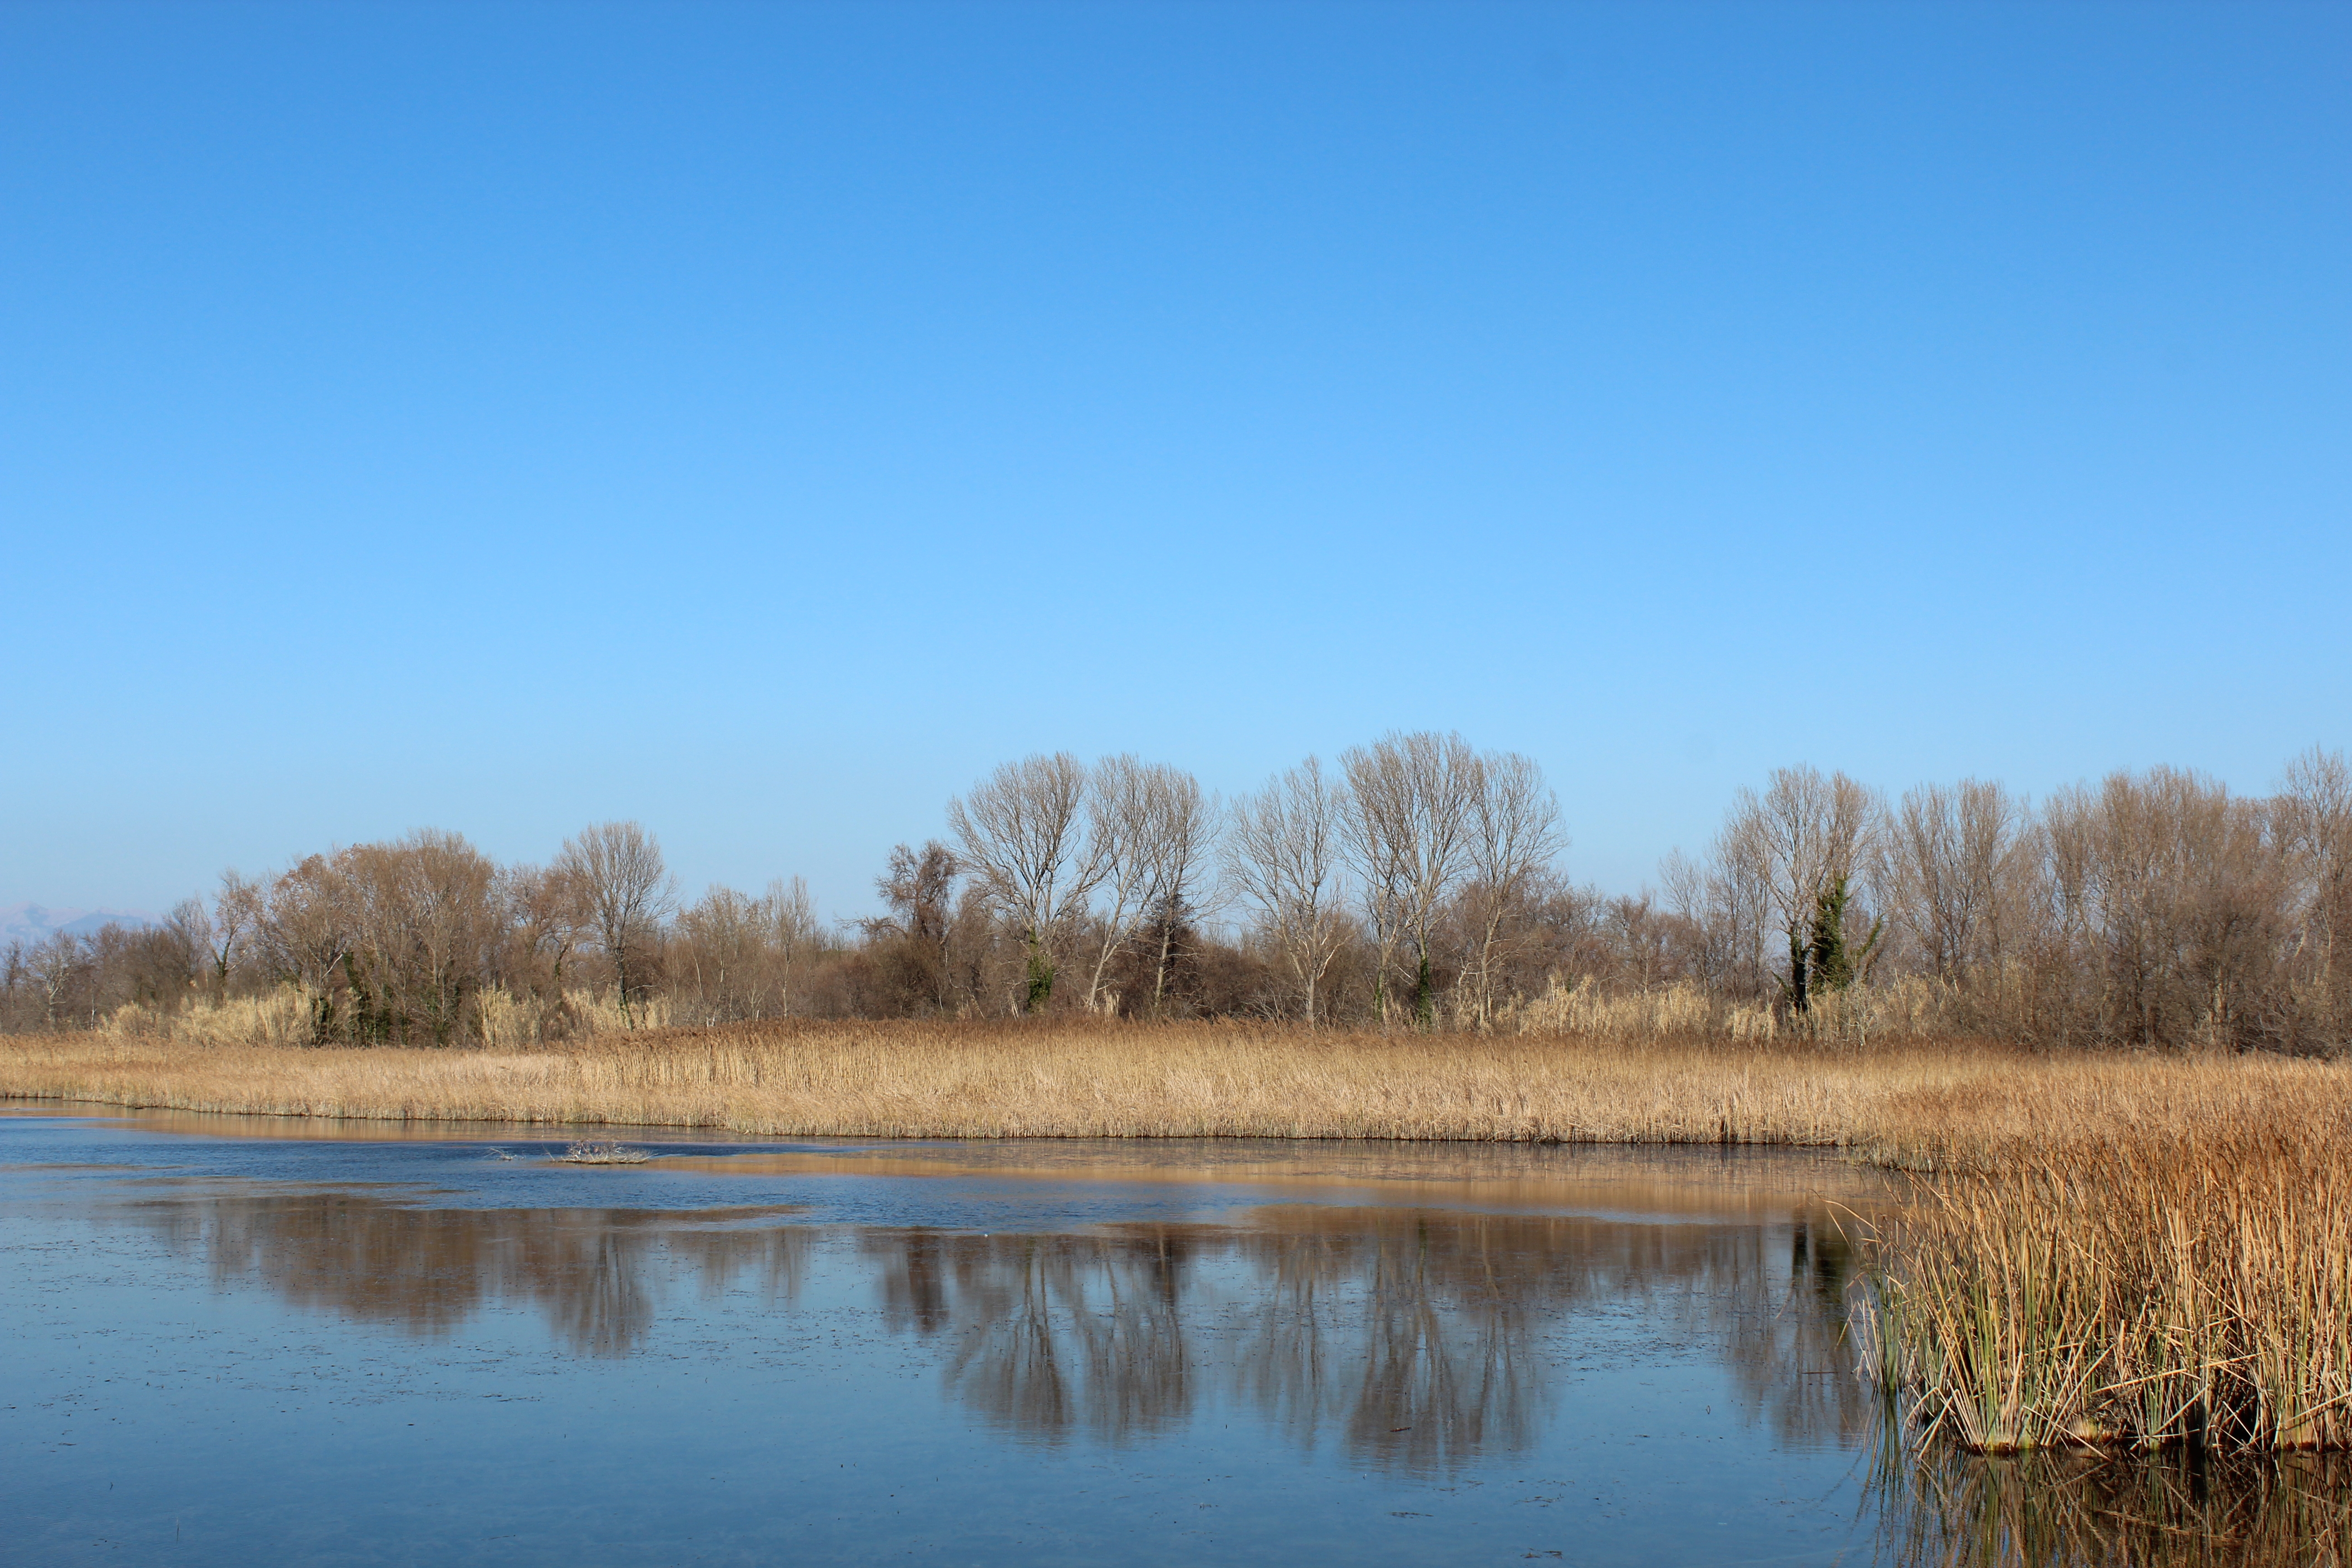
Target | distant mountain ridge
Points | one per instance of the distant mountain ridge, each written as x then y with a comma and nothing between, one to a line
30,923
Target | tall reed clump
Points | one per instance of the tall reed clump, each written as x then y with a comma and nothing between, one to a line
493,1017
1911,1007
1679,1012
275,1017
2184,1282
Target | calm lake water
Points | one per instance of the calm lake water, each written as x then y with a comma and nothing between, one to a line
250,1340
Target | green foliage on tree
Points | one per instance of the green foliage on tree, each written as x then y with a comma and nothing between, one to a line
1826,962
1041,976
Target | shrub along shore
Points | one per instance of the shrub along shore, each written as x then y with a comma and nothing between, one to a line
2101,1248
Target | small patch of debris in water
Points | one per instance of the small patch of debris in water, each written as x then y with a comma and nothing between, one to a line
585,1153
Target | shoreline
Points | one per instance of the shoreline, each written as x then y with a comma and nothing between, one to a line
1676,1181
13,1104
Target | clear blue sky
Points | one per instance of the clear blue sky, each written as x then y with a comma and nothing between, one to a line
760,420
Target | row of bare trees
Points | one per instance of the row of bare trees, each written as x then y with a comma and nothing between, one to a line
395,943
2150,909
1414,883
1426,853
1086,865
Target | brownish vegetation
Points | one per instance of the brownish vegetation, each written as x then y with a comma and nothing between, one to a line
1415,885
1910,1101
2185,1274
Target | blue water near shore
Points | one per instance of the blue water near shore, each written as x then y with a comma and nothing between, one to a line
227,1346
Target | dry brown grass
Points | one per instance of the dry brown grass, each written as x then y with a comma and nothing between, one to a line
2188,1278
1913,1101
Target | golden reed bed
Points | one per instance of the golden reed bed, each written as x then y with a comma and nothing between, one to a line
1920,1099
2103,1250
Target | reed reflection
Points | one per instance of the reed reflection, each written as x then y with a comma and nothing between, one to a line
1410,1341
1948,1508
427,1271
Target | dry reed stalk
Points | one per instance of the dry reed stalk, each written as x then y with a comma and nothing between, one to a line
501,1019
1046,1080
1911,1007
2188,1279
1912,1103
278,1017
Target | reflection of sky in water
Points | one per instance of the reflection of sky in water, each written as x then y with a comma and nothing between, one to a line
985,1354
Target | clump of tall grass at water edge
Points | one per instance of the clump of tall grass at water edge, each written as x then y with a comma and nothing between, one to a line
2185,1281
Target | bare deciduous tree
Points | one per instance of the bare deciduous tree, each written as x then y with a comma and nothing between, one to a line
1514,837
1177,845
721,950
188,930
2150,909
1118,812
2170,894
236,911
1282,856
1951,849
1021,835
1812,835
2313,811
624,889
424,924
545,920
914,943
1727,901
1148,829
308,928
1411,798
793,933
53,965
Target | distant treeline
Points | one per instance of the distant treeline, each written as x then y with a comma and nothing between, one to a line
1416,884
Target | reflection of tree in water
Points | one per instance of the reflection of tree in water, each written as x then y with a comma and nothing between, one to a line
1414,1337
1946,1509
428,1270
1411,1334
1786,1338
1052,1332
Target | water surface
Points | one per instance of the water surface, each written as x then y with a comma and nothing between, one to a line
242,1339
